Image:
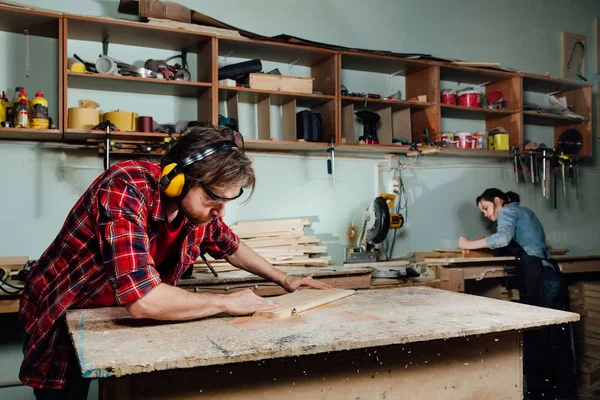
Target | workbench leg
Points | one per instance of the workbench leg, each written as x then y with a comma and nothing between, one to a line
452,279
115,389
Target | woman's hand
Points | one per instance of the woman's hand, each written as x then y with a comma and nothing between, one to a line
463,243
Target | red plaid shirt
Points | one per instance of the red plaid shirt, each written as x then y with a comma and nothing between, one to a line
103,245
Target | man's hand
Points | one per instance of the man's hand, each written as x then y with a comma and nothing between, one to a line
292,283
463,243
245,302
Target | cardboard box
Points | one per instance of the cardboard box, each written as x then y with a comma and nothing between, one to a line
280,83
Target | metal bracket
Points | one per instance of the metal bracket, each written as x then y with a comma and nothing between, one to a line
291,65
105,43
226,57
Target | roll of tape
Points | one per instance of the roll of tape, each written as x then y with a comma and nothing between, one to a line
82,118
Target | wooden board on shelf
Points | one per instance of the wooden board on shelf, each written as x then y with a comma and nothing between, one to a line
27,134
274,51
133,33
134,84
254,96
77,135
362,102
19,18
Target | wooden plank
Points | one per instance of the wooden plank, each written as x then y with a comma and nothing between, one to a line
294,303
288,120
369,318
263,118
590,370
10,305
396,263
443,261
384,128
452,279
348,133
17,261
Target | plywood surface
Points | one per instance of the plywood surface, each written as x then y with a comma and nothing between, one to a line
109,342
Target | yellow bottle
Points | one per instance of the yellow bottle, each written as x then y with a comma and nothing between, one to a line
3,116
39,112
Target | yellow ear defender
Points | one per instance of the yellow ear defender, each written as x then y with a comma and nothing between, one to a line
172,178
175,185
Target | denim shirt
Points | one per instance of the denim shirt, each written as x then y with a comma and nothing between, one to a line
519,223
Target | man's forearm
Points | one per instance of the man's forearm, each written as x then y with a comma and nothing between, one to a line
247,259
165,302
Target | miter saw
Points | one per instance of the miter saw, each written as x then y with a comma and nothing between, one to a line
377,221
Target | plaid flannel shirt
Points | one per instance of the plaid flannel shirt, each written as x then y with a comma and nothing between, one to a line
103,242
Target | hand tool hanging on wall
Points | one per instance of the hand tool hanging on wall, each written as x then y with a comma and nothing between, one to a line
554,167
331,161
532,166
563,160
107,146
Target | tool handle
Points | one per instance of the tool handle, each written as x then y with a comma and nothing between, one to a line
389,199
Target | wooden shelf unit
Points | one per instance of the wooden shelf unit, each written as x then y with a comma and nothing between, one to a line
94,29
492,80
36,23
399,118
324,68
579,97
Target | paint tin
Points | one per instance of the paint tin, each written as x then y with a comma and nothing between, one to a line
448,96
469,98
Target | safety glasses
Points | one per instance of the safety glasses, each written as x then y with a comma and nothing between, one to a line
215,197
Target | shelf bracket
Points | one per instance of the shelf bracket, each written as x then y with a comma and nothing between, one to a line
291,65
226,57
392,76
105,43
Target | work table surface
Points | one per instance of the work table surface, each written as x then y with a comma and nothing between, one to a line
109,342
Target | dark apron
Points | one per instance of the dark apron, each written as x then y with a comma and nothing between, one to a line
548,353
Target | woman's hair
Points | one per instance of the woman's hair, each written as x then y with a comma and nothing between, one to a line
491,193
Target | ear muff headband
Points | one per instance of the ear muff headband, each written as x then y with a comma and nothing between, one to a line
172,178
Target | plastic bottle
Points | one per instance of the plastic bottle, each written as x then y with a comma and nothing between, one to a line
39,112
2,107
22,114
19,95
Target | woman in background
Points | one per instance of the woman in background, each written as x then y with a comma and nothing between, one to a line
548,353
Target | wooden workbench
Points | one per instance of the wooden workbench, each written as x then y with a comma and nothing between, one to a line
418,343
454,272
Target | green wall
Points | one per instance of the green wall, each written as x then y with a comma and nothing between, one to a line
43,181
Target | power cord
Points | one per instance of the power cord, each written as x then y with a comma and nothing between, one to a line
402,205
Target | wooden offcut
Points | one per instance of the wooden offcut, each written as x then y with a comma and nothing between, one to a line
281,83
302,300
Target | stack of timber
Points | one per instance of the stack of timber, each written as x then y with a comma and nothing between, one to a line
281,242
585,299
